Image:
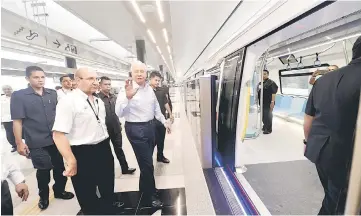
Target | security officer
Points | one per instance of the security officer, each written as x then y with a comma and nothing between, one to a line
33,111
163,101
329,128
139,106
6,116
81,136
66,86
270,89
113,123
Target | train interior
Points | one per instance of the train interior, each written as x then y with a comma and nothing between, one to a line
221,162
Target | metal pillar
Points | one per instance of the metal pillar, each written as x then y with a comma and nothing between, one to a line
345,52
140,46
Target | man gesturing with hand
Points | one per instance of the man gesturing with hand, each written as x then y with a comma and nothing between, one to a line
139,106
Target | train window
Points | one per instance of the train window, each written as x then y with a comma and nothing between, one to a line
296,81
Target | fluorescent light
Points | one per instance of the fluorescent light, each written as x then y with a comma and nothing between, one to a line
137,10
170,56
160,52
168,47
160,11
151,36
165,34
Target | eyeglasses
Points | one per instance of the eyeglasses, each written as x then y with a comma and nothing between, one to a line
91,79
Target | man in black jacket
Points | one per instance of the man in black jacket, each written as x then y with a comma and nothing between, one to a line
113,123
329,128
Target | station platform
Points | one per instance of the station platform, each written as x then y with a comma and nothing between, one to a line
182,185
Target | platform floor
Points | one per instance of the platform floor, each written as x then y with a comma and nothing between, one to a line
281,180
179,197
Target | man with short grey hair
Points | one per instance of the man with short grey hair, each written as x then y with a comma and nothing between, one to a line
139,106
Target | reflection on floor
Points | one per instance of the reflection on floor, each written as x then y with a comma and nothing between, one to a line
287,188
281,179
174,200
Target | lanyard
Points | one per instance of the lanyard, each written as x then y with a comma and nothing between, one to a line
96,114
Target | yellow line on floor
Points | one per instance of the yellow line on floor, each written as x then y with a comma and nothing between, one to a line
33,209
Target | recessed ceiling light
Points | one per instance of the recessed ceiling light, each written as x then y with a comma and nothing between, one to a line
151,36
160,11
165,34
137,10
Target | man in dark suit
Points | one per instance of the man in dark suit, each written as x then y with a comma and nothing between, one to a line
329,128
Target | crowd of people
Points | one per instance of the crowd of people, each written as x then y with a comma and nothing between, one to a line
69,130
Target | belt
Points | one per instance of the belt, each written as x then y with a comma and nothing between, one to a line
140,123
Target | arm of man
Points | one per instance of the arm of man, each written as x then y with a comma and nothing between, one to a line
158,113
63,125
274,92
17,110
310,112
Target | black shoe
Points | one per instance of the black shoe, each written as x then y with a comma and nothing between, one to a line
163,159
128,171
65,195
80,212
13,150
43,204
266,132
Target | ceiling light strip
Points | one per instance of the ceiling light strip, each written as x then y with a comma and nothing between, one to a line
160,52
137,10
151,35
160,11
165,34
168,47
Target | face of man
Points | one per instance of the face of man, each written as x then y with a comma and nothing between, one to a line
66,83
88,82
7,90
36,79
332,68
155,81
139,74
105,86
265,75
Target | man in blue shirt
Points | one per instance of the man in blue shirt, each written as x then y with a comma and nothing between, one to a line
33,112
139,106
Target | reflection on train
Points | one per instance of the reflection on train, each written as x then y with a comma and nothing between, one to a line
296,55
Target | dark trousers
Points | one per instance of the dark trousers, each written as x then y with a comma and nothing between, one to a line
141,137
9,133
43,175
95,168
6,201
116,138
335,196
267,117
159,138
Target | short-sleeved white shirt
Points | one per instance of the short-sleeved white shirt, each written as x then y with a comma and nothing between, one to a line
76,118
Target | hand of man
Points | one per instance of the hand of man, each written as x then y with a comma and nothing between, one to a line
70,168
172,119
272,105
22,191
129,91
23,149
316,73
167,126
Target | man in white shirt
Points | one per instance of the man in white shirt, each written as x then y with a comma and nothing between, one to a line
139,106
66,86
81,136
10,170
6,116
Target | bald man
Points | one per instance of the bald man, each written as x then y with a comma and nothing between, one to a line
139,106
85,148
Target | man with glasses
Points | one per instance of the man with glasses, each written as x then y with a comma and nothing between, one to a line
80,133
318,73
139,106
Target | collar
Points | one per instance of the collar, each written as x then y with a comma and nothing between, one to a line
102,95
81,94
355,61
30,90
66,90
135,85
